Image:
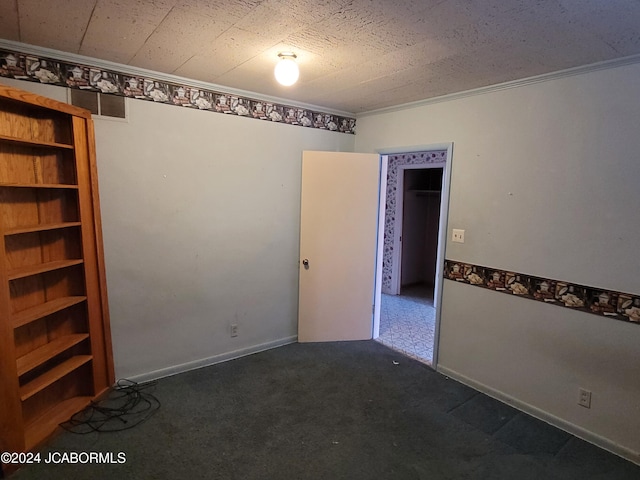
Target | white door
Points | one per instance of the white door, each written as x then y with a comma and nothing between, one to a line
338,233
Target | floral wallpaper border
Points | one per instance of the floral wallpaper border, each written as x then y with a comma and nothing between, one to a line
602,302
40,69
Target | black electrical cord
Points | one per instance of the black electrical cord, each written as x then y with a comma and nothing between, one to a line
128,405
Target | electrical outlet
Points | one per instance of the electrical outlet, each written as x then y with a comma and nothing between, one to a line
584,398
234,329
457,236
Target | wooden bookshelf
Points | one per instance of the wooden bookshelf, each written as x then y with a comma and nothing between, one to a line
38,185
45,309
41,268
55,342
56,373
48,351
34,143
47,422
40,228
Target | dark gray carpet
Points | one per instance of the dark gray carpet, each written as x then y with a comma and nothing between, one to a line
332,411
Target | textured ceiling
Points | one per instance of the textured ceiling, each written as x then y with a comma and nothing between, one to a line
354,55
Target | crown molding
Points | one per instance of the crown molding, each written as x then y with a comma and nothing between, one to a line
545,77
165,77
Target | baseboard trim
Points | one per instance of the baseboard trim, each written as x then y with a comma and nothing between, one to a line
568,427
206,362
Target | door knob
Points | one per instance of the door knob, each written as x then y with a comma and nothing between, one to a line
305,262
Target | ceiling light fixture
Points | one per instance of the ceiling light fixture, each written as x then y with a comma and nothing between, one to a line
287,71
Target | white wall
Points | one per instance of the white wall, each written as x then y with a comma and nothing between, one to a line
200,218
545,181
50,91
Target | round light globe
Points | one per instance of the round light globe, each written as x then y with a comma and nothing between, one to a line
287,72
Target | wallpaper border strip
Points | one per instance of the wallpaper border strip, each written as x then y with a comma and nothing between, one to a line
603,302
83,76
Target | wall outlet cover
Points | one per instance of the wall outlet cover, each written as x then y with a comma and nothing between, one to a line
584,398
457,236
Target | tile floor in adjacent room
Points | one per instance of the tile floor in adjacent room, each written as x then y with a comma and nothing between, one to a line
407,322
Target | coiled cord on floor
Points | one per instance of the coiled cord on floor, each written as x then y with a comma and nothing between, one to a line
128,405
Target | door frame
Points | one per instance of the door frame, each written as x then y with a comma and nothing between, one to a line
396,273
442,232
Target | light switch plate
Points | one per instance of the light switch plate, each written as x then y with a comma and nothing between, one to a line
457,236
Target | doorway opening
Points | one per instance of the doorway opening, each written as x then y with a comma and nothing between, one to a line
410,285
